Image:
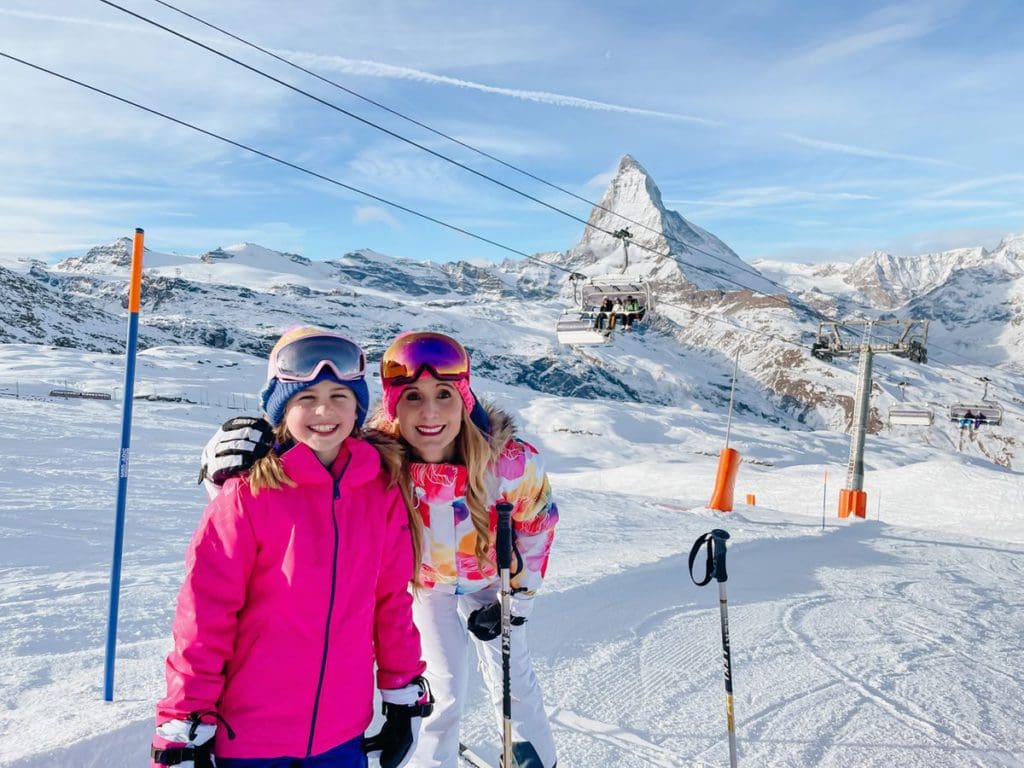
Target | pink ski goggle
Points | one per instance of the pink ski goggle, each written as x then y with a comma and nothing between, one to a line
413,353
303,358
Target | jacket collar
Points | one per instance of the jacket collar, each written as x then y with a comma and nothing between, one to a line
363,464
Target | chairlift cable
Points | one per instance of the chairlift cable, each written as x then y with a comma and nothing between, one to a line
463,166
397,206
448,137
287,163
440,155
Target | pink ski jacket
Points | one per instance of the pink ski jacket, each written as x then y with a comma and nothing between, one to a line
289,599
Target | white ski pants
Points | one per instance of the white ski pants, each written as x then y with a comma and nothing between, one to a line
441,619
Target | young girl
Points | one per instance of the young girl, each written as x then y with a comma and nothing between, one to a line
296,584
463,459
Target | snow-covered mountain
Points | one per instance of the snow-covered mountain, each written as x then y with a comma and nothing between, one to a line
712,310
665,248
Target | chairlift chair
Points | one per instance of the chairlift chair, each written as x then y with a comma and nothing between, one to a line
618,288
575,327
910,416
987,412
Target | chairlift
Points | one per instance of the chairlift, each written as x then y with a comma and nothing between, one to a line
617,288
587,323
981,413
907,415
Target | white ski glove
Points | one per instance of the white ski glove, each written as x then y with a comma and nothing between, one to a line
403,710
235,447
183,743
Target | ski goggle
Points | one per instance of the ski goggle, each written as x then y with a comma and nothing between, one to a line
413,353
303,358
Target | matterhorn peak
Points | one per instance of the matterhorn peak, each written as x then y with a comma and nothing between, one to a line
662,246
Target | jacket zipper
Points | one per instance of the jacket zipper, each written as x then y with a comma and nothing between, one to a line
335,495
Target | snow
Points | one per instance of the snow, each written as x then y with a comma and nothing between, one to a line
894,640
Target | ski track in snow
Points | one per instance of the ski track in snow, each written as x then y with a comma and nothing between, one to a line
865,644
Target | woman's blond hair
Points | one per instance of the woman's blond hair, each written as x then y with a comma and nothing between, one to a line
397,465
473,451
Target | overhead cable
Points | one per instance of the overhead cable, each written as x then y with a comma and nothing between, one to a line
435,153
448,137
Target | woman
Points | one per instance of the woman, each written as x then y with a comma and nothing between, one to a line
463,458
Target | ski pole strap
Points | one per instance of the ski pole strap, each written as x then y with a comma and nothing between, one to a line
519,558
715,566
503,545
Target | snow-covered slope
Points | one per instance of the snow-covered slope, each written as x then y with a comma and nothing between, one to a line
891,641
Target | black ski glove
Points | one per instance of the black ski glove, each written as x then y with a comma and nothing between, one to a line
238,444
485,623
403,709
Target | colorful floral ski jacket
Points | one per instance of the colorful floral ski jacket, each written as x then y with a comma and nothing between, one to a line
290,599
449,547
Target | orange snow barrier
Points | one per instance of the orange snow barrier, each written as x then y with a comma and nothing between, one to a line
853,501
751,500
728,465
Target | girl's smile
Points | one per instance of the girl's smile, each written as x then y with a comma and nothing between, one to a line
322,416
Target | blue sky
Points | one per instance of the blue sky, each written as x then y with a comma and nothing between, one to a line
801,131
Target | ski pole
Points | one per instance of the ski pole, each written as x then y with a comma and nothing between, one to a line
504,556
715,541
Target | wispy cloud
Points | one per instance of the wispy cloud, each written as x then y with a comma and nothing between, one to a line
762,197
30,15
367,68
364,214
852,149
601,180
955,204
888,26
861,42
983,183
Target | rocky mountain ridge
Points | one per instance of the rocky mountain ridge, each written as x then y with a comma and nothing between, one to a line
713,311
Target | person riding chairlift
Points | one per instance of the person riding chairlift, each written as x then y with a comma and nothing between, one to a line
633,312
603,313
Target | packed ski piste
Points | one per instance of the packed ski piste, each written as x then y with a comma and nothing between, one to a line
906,623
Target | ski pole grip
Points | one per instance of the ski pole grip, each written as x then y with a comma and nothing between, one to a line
719,537
714,542
503,545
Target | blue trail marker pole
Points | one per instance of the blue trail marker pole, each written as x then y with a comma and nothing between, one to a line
134,296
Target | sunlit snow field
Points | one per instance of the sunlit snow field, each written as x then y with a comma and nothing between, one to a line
890,641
